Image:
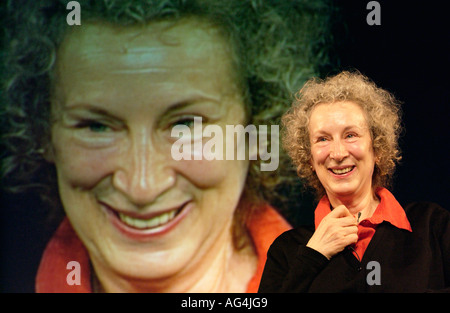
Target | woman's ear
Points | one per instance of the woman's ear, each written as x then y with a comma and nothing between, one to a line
377,159
311,165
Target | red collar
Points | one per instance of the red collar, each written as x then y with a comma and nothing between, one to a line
65,246
388,210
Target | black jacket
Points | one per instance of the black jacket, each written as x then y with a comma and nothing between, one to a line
416,261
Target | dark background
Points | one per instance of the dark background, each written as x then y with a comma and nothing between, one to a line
407,54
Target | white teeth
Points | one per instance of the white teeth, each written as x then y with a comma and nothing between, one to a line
342,171
148,223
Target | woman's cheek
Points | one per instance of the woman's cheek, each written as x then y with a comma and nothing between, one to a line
83,168
205,173
319,155
209,165
359,151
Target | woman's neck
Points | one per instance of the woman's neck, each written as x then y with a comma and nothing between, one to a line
365,204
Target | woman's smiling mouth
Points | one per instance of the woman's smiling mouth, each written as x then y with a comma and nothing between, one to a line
153,222
140,227
342,170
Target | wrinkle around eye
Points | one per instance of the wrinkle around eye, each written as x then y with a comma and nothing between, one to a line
92,134
93,126
95,142
321,139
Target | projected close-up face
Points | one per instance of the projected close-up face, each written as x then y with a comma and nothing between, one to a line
117,94
152,143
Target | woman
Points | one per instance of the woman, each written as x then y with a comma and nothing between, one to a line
88,116
342,135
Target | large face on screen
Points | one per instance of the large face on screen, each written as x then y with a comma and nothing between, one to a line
118,92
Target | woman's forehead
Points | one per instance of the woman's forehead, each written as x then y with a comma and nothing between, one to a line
345,113
137,46
188,53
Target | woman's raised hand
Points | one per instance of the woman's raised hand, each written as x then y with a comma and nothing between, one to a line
336,231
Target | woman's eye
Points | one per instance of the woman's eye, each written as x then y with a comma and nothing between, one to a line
188,121
98,127
93,126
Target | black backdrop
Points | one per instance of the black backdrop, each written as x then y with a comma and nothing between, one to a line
407,54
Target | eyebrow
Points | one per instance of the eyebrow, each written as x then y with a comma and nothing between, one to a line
91,109
183,104
177,106
352,127
98,110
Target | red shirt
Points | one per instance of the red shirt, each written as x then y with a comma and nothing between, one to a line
388,210
65,246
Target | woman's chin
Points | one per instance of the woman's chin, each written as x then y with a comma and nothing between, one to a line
139,268
342,192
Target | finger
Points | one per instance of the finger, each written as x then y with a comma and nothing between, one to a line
350,230
346,221
351,238
340,211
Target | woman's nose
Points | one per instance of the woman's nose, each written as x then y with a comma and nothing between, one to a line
338,151
144,173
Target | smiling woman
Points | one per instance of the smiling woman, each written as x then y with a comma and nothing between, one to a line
119,183
88,113
342,134
379,109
